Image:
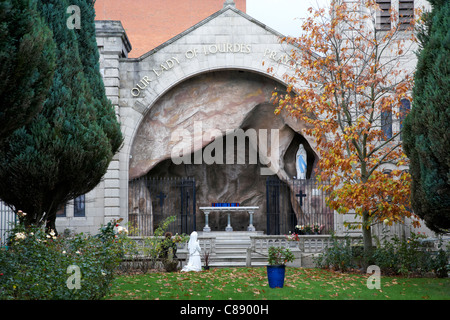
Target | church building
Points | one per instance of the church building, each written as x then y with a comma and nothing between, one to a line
199,126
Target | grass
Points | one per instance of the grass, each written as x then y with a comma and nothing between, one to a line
252,284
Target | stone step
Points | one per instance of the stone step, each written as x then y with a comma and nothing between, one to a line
231,249
234,256
236,261
233,235
226,264
232,244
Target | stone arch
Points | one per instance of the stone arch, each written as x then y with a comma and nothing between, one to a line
214,103
145,104
229,91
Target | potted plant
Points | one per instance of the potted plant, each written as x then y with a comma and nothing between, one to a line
300,229
317,228
308,229
278,257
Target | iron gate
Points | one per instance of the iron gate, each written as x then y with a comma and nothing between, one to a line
7,220
301,202
152,200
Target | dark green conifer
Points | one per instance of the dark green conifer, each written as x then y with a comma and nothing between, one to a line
427,127
65,151
27,63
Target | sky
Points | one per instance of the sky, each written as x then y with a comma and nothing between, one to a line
283,16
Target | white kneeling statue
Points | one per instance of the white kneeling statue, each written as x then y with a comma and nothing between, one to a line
194,263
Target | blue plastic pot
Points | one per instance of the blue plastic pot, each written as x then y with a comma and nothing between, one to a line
275,275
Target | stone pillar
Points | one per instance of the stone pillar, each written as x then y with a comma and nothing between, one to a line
229,228
113,44
251,227
206,228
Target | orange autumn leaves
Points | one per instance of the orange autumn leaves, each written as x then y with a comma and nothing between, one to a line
346,75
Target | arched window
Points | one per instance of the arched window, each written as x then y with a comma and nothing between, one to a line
405,107
78,206
386,124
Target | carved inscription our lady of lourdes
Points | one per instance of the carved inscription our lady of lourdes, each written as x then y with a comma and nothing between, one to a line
279,57
190,54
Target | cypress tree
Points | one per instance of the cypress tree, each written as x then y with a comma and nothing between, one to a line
427,127
27,63
65,151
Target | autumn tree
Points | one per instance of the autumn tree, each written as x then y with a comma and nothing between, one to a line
348,81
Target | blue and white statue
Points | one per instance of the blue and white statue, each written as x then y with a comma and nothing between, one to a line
301,162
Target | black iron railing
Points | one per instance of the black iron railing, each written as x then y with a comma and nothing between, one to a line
152,200
297,206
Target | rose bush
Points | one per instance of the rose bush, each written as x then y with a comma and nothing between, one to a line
34,265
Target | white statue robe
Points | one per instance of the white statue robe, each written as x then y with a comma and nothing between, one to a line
301,162
194,263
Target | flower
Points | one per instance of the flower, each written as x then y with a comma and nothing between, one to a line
20,235
180,238
318,227
51,234
121,229
292,237
21,214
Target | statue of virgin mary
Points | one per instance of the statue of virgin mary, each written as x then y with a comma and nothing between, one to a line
301,161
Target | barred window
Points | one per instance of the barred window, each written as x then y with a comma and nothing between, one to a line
78,206
384,15
405,13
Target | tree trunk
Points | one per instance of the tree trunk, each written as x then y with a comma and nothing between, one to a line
366,232
51,223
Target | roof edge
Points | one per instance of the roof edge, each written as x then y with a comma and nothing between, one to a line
201,23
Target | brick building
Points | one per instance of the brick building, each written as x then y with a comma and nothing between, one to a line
149,23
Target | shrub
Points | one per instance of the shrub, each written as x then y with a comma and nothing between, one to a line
280,256
35,265
338,256
411,257
148,254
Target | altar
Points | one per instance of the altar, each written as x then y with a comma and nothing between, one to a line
229,210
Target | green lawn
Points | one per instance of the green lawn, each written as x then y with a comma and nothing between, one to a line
252,284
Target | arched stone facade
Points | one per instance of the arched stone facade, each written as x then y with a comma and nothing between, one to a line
215,74
226,55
